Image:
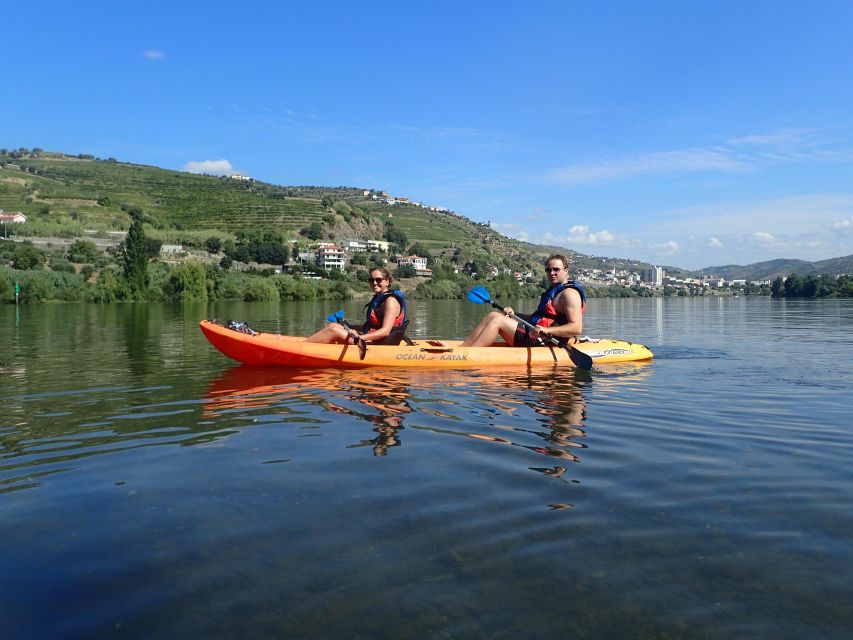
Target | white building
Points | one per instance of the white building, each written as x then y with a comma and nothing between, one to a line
15,217
357,246
419,263
654,276
330,256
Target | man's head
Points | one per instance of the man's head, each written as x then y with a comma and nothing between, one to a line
557,268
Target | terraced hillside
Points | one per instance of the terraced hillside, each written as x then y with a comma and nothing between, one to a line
96,194
93,191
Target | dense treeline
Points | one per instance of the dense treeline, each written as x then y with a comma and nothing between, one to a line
823,286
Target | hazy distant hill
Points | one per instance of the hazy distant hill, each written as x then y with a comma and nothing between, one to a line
781,267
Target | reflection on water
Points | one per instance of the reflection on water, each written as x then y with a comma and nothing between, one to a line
541,411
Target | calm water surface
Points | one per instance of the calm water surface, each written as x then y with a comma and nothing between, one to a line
151,488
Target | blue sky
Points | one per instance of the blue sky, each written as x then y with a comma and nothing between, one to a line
682,133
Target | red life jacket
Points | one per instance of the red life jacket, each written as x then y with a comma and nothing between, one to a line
546,314
376,314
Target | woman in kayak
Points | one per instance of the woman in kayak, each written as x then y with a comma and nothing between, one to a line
559,314
386,320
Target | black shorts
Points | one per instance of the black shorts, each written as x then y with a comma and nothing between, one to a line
525,337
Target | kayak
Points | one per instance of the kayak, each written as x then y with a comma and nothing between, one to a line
273,349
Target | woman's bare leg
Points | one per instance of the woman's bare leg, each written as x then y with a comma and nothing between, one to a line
329,334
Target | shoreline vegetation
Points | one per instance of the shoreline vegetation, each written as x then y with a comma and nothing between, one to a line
103,231
132,272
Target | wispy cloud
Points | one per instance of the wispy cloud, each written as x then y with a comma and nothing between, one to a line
714,243
739,154
154,54
689,160
211,167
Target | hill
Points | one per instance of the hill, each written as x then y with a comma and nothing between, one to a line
782,267
63,195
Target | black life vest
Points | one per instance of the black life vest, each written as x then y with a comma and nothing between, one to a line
546,314
376,314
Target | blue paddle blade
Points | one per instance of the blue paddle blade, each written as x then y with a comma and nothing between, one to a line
337,316
479,295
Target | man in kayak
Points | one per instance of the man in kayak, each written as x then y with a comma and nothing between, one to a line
386,320
559,314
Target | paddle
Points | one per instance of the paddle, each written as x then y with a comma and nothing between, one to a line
480,295
338,316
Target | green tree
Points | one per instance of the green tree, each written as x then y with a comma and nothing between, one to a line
777,288
83,251
395,235
417,249
314,231
405,271
26,256
213,244
794,286
187,283
259,290
153,245
135,258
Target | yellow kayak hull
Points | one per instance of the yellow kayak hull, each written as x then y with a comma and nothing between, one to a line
272,349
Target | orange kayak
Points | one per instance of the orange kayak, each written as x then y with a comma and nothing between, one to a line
274,349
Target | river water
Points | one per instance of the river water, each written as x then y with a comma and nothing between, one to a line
149,487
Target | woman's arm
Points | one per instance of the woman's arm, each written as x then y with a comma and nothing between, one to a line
390,310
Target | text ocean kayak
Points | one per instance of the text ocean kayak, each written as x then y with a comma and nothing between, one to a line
273,349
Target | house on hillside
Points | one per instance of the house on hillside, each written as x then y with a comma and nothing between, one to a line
357,246
15,217
330,256
419,263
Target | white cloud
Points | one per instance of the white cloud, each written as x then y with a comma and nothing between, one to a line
669,247
714,243
762,237
580,234
212,167
842,225
153,54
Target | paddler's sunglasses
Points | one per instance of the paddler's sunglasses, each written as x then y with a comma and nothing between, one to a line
375,280
553,269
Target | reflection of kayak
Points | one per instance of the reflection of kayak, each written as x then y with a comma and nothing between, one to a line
281,350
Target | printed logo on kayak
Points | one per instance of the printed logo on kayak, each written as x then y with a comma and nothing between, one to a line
608,352
423,356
